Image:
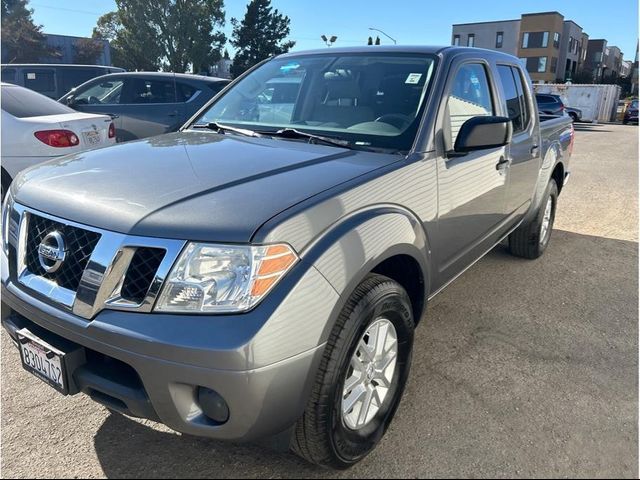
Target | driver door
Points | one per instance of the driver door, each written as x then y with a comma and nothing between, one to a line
102,96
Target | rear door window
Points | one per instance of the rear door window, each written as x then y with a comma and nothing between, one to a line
151,91
9,75
40,80
524,102
185,91
513,97
23,103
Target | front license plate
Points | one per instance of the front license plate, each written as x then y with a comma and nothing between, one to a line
92,137
43,360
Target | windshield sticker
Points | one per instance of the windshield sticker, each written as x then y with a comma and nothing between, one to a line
289,66
413,78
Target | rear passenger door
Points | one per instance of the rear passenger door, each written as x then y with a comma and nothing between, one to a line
149,107
41,80
523,150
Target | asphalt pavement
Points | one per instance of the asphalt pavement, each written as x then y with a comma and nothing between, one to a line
520,369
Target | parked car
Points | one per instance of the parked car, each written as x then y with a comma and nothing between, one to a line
245,278
36,128
574,113
144,104
631,113
52,80
550,104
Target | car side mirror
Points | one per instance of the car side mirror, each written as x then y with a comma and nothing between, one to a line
70,100
479,133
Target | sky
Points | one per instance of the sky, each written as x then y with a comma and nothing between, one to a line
421,22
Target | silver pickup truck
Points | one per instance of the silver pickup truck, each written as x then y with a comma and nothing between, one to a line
260,273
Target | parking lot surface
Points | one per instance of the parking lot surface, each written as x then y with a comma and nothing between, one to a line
520,369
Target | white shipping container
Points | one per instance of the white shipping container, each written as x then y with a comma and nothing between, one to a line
597,102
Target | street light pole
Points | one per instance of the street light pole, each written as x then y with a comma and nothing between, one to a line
378,30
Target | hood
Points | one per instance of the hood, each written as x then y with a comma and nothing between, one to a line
189,185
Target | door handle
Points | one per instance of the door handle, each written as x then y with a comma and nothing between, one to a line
173,114
534,150
113,116
503,163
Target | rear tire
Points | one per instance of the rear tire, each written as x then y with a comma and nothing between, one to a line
530,240
325,434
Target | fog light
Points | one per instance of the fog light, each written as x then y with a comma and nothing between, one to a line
213,405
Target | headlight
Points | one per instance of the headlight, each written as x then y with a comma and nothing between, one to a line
209,278
7,206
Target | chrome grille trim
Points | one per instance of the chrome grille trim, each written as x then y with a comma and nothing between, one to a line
102,278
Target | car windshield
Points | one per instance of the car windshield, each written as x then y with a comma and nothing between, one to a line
23,103
369,100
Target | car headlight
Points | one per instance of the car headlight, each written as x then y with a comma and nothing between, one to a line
7,206
210,278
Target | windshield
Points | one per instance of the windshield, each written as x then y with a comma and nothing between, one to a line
369,100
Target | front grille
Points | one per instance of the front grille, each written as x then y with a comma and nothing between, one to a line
79,243
141,272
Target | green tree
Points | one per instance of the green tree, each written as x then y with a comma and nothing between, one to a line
137,56
86,51
259,35
173,35
22,39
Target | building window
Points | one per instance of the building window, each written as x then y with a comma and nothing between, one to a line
535,40
554,64
556,40
456,40
570,46
537,64
499,39
542,64
471,40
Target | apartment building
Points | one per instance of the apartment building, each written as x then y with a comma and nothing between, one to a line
501,35
603,61
540,44
613,63
571,55
583,57
552,48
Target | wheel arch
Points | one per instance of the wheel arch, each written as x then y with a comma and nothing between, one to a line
385,239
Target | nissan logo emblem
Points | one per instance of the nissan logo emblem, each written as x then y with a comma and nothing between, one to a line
52,252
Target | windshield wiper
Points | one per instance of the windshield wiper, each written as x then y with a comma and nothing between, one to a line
293,134
220,128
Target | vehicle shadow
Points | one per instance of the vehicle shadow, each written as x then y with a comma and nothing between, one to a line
520,368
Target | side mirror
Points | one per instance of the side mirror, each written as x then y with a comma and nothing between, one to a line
479,133
70,100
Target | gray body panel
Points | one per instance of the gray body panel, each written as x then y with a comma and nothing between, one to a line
343,211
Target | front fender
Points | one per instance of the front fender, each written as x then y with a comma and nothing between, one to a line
353,247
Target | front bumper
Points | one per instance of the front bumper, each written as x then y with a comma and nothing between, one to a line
262,363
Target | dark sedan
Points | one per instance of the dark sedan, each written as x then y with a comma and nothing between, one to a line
550,104
144,104
631,114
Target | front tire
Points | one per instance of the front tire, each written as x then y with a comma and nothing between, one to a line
530,240
360,382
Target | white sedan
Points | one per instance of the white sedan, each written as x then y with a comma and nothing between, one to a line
36,128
